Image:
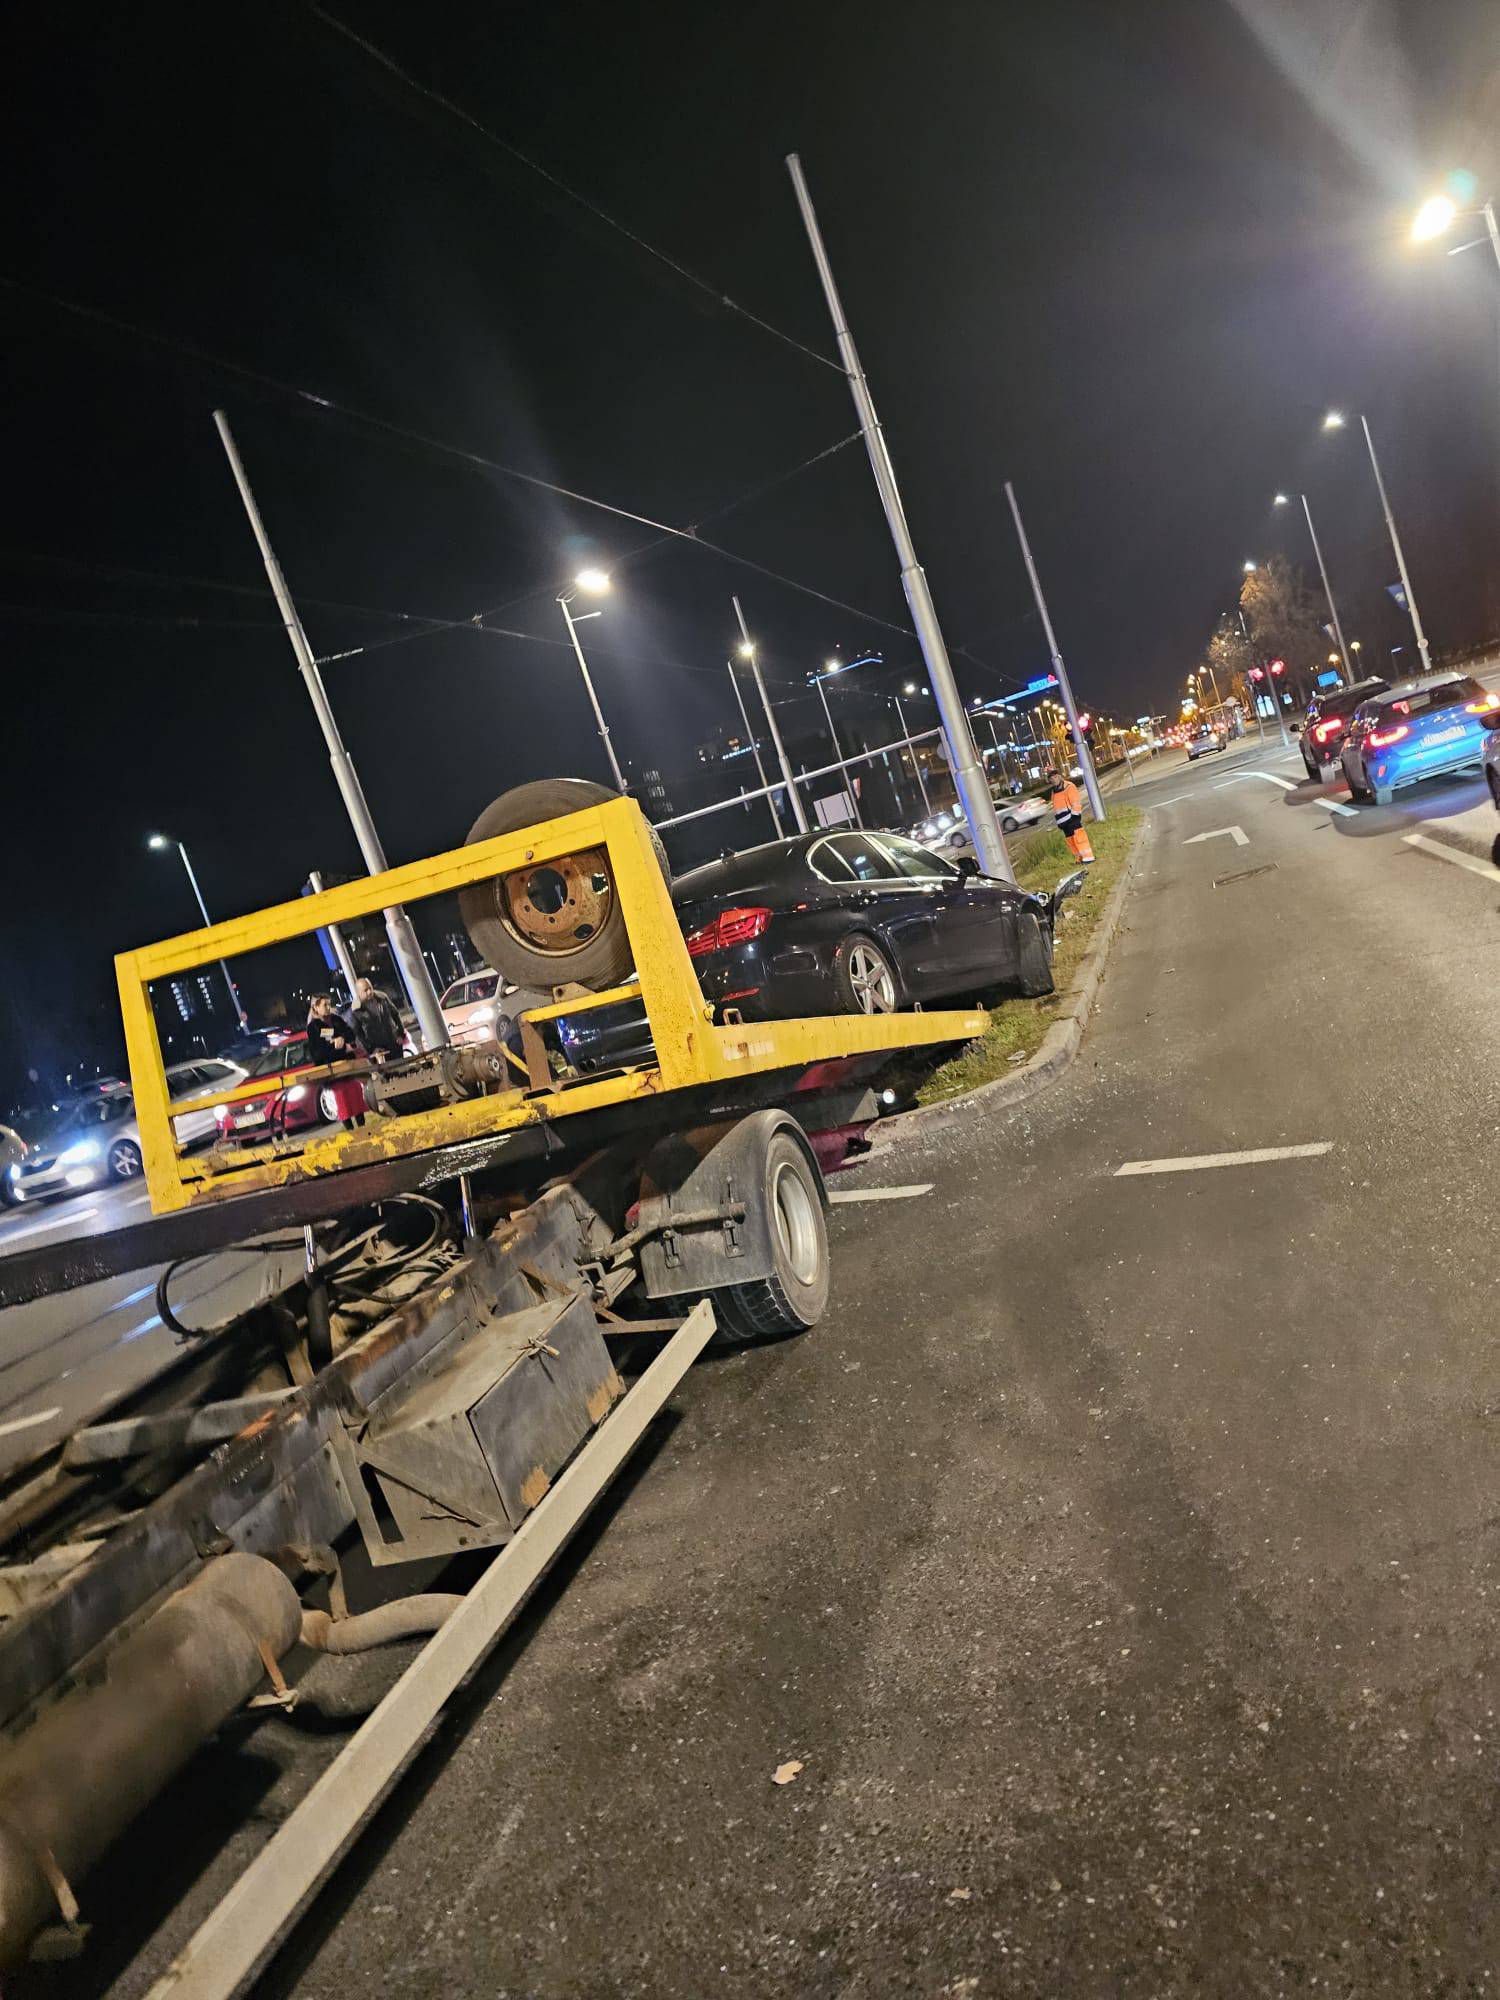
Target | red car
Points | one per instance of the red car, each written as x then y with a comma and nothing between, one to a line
290,1102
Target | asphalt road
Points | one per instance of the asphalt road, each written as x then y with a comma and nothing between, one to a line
1118,1561
64,1359
1117,1564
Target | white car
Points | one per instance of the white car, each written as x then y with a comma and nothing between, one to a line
470,1006
96,1141
1018,814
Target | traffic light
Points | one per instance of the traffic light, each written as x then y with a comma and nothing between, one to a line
1257,673
1278,666
1083,723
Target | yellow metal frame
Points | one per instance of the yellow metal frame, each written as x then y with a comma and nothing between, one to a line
690,1048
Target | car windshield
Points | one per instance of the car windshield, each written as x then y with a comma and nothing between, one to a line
88,1114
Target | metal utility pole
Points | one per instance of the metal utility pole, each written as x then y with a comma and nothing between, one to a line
748,649
168,840
405,950
754,749
1390,519
1064,685
335,937
1338,630
968,774
572,624
916,766
838,752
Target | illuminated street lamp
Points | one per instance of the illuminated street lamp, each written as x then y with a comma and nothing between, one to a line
1280,500
836,667
1335,422
1438,214
159,842
1250,568
593,583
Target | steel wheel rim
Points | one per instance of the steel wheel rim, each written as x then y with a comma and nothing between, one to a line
796,1224
870,976
124,1161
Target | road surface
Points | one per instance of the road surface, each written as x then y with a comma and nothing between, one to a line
1113,1577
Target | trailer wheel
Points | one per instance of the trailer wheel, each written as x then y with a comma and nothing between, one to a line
794,1296
559,923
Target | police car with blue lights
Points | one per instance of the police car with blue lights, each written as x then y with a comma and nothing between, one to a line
1417,729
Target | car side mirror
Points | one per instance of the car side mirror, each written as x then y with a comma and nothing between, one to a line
967,865
1296,728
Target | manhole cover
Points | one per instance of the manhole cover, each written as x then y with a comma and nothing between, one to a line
1265,868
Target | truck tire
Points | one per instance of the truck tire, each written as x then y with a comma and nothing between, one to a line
795,1295
1033,955
560,923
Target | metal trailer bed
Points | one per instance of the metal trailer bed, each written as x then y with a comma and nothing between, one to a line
424,1400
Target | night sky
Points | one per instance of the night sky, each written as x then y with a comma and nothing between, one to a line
1123,255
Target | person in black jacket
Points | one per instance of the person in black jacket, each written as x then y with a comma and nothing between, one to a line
330,1039
376,1023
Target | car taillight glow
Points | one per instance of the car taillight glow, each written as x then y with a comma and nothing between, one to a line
1323,730
729,927
1381,737
1489,706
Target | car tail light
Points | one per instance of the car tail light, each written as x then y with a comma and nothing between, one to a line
1381,737
729,927
1323,730
1489,706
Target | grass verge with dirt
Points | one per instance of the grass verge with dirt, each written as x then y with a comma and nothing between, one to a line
1017,1026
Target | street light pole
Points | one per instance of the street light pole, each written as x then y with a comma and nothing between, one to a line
1065,686
563,600
405,950
160,840
916,766
963,756
754,749
1338,630
1390,521
837,750
747,652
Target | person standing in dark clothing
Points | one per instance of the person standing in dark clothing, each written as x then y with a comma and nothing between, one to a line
376,1023
330,1039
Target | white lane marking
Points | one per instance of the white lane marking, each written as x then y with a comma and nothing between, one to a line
1153,804
882,1194
74,1215
1191,1162
29,1423
1236,833
1445,853
1240,776
135,1201
1344,812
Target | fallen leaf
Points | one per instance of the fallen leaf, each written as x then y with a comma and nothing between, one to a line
784,1773
959,1895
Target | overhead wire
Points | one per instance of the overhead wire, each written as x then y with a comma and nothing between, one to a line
514,152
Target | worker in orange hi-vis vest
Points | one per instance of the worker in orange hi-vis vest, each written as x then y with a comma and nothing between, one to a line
1067,808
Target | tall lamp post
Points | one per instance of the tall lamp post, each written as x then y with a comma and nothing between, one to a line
160,842
747,652
1334,421
593,583
836,667
1280,500
1438,214
911,688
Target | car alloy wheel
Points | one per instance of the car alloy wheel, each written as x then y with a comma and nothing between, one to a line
871,978
328,1105
124,1160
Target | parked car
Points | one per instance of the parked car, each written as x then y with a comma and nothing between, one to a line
204,1078
291,1101
1203,741
840,923
1327,722
12,1152
1016,815
1492,775
469,1007
1417,729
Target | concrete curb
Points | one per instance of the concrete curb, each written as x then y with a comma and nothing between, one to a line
1059,1046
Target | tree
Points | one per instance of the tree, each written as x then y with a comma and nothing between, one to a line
1284,617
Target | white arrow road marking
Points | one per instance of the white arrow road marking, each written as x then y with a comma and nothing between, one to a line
1236,833
1190,1162
882,1194
1446,853
29,1423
